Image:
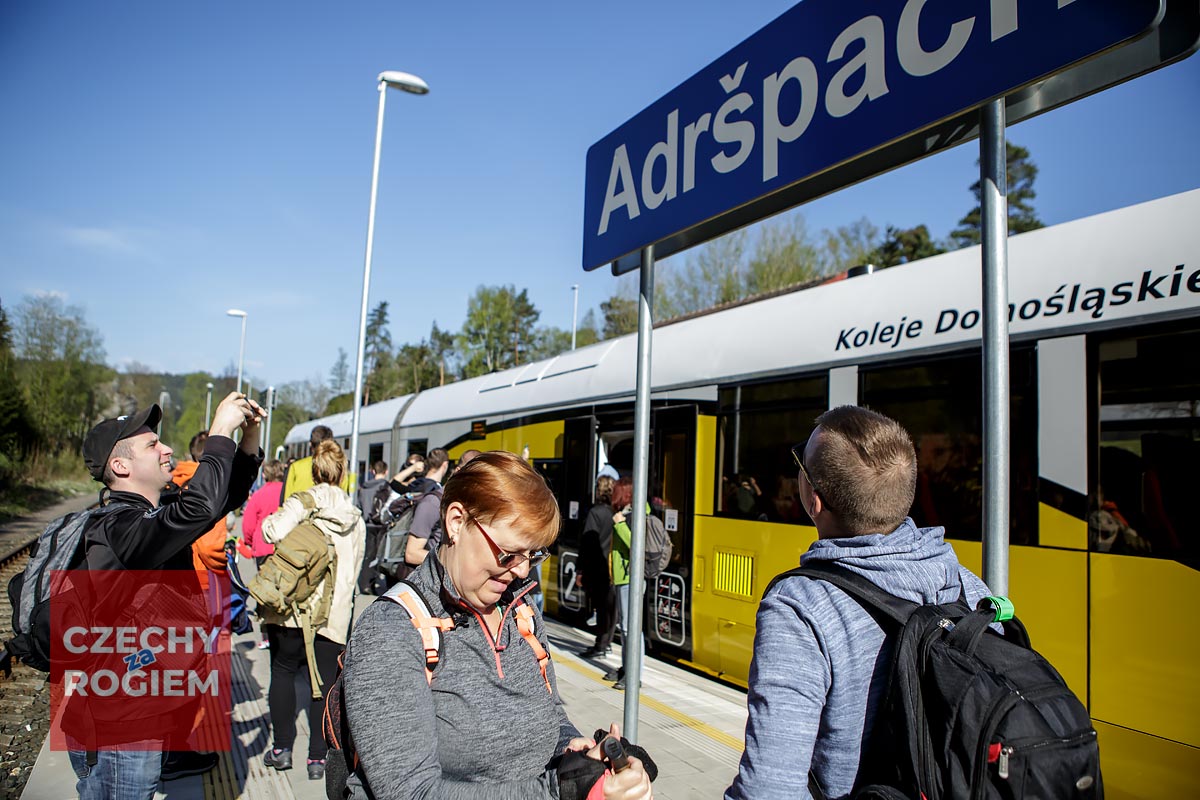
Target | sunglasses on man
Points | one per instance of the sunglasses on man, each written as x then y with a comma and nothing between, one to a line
798,457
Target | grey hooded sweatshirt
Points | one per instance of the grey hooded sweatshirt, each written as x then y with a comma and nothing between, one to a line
821,664
484,728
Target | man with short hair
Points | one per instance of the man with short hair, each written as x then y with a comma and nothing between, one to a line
821,662
299,476
147,530
426,531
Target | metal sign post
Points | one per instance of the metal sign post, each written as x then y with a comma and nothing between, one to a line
632,644
993,198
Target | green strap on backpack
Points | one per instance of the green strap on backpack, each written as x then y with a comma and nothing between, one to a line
289,582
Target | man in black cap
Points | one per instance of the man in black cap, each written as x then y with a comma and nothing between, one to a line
149,532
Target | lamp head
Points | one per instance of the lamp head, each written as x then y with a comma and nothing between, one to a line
404,81
236,312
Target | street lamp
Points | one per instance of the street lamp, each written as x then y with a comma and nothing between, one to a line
208,406
270,401
164,400
574,313
237,312
413,85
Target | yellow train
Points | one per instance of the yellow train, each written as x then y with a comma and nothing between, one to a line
1105,421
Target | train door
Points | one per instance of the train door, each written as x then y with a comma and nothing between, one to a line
575,498
672,481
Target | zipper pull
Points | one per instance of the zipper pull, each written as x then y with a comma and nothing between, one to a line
1005,752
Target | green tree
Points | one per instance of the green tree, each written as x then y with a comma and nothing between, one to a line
620,315
851,245
338,403
284,417
61,368
378,353
711,277
784,255
17,432
340,379
588,330
1020,172
499,330
193,399
441,343
900,246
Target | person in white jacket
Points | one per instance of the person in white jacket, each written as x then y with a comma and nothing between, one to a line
338,518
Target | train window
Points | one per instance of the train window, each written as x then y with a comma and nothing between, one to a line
1149,458
759,423
375,453
940,402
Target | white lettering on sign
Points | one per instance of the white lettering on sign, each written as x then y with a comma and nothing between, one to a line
730,132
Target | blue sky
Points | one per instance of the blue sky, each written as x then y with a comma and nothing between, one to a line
161,162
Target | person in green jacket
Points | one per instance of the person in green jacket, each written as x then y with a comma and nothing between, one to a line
622,502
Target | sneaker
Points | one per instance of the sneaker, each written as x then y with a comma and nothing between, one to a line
591,623
595,652
279,759
316,769
620,684
182,764
615,674
264,645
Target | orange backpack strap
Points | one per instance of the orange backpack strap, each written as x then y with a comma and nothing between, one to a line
524,615
430,627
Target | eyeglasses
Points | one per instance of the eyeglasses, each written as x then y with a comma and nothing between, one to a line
511,560
798,457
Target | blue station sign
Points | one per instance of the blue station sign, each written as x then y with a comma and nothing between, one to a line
828,82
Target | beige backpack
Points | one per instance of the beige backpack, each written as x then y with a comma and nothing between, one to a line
287,583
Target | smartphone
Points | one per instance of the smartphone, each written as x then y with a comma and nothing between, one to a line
614,753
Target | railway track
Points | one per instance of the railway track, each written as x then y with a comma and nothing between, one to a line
24,695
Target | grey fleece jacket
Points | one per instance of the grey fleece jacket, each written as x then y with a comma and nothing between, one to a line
484,728
821,663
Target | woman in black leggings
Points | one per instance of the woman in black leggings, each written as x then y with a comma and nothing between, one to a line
328,507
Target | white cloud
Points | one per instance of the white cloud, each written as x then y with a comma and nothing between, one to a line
50,293
108,240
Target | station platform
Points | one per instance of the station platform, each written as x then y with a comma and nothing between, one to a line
691,725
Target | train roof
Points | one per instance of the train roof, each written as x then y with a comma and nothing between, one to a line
375,418
1065,278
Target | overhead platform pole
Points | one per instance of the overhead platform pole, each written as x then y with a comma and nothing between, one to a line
632,644
993,198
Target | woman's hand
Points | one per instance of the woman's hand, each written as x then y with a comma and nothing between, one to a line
618,518
579,744
629,784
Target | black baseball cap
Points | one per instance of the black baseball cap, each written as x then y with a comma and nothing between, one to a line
100,441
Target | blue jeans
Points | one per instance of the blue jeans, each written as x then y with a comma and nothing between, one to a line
118,774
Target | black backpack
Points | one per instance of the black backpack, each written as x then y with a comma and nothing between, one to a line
968,713
377,505
59,546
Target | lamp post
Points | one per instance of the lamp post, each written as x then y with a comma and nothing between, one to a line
164,400
237,312
574,313
208,406
413,85
270,398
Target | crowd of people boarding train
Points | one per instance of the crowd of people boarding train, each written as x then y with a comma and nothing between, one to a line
445,684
